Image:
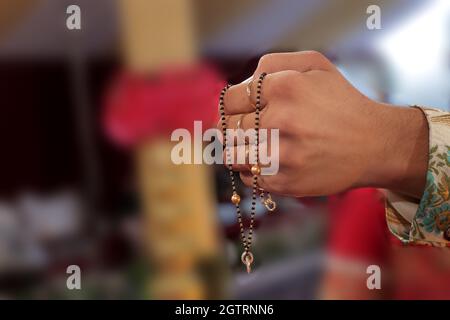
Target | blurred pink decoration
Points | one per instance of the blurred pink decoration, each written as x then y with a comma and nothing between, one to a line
139,107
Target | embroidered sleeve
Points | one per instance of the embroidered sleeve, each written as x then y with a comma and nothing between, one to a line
427,221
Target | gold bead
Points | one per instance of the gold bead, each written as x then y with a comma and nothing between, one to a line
235,198
256,170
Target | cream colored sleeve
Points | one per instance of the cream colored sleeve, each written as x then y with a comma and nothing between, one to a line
427,221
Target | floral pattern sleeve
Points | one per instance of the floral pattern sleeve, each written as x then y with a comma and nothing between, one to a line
427,221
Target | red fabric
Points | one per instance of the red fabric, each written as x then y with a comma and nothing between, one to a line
139,107
358,226
359,232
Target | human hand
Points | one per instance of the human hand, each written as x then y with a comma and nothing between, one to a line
332,137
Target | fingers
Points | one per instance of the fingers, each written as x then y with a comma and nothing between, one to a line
263,181
242,157
302,61
279,67
236,99
247,178
241,129
245,133
242,121
246,121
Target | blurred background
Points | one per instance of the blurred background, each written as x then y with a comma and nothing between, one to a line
86,177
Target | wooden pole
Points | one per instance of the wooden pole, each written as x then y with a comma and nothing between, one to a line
178,200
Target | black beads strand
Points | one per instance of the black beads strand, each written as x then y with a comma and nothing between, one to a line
247,256
255,172
235,198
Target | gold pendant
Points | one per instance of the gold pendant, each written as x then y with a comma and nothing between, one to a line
247,260
269,203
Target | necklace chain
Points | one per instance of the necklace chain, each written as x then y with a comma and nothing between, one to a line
247,256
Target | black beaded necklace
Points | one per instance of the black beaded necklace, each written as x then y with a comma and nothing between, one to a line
247,256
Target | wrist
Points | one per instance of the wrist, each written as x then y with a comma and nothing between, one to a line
399,160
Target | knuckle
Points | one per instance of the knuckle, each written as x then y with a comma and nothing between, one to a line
265,60
314,54
290,75
318,57
286,83
292,80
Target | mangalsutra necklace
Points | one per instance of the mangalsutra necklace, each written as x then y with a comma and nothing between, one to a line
266,199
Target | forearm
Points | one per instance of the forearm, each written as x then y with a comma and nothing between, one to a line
407,152
399,158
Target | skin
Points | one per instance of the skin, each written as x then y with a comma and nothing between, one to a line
332,137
